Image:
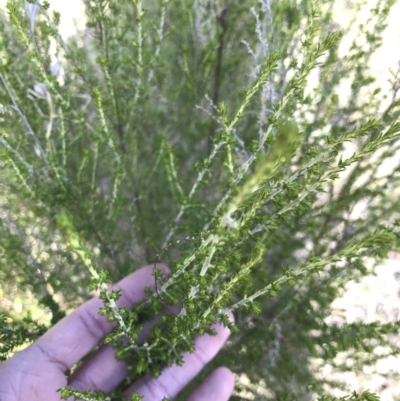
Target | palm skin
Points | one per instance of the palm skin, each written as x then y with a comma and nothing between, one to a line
36,373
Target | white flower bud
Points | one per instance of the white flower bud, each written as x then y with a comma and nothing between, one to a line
56,69
228,221
32,10
40,91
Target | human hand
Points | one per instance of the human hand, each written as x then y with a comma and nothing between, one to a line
36,373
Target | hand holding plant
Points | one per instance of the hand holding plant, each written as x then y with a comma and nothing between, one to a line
38,372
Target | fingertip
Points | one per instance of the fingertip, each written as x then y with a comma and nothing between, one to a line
219,385
227,375
160,266
231,317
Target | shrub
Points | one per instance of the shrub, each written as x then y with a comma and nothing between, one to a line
219,122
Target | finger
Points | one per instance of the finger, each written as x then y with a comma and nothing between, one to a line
174,378
218,386
77,334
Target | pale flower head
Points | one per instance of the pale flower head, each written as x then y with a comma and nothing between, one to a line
40,91
32,10
56,68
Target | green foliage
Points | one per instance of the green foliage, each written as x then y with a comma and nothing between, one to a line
365,396
14,333
199,121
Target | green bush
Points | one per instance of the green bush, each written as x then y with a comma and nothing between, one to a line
198,120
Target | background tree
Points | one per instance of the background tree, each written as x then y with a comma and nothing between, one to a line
167,120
